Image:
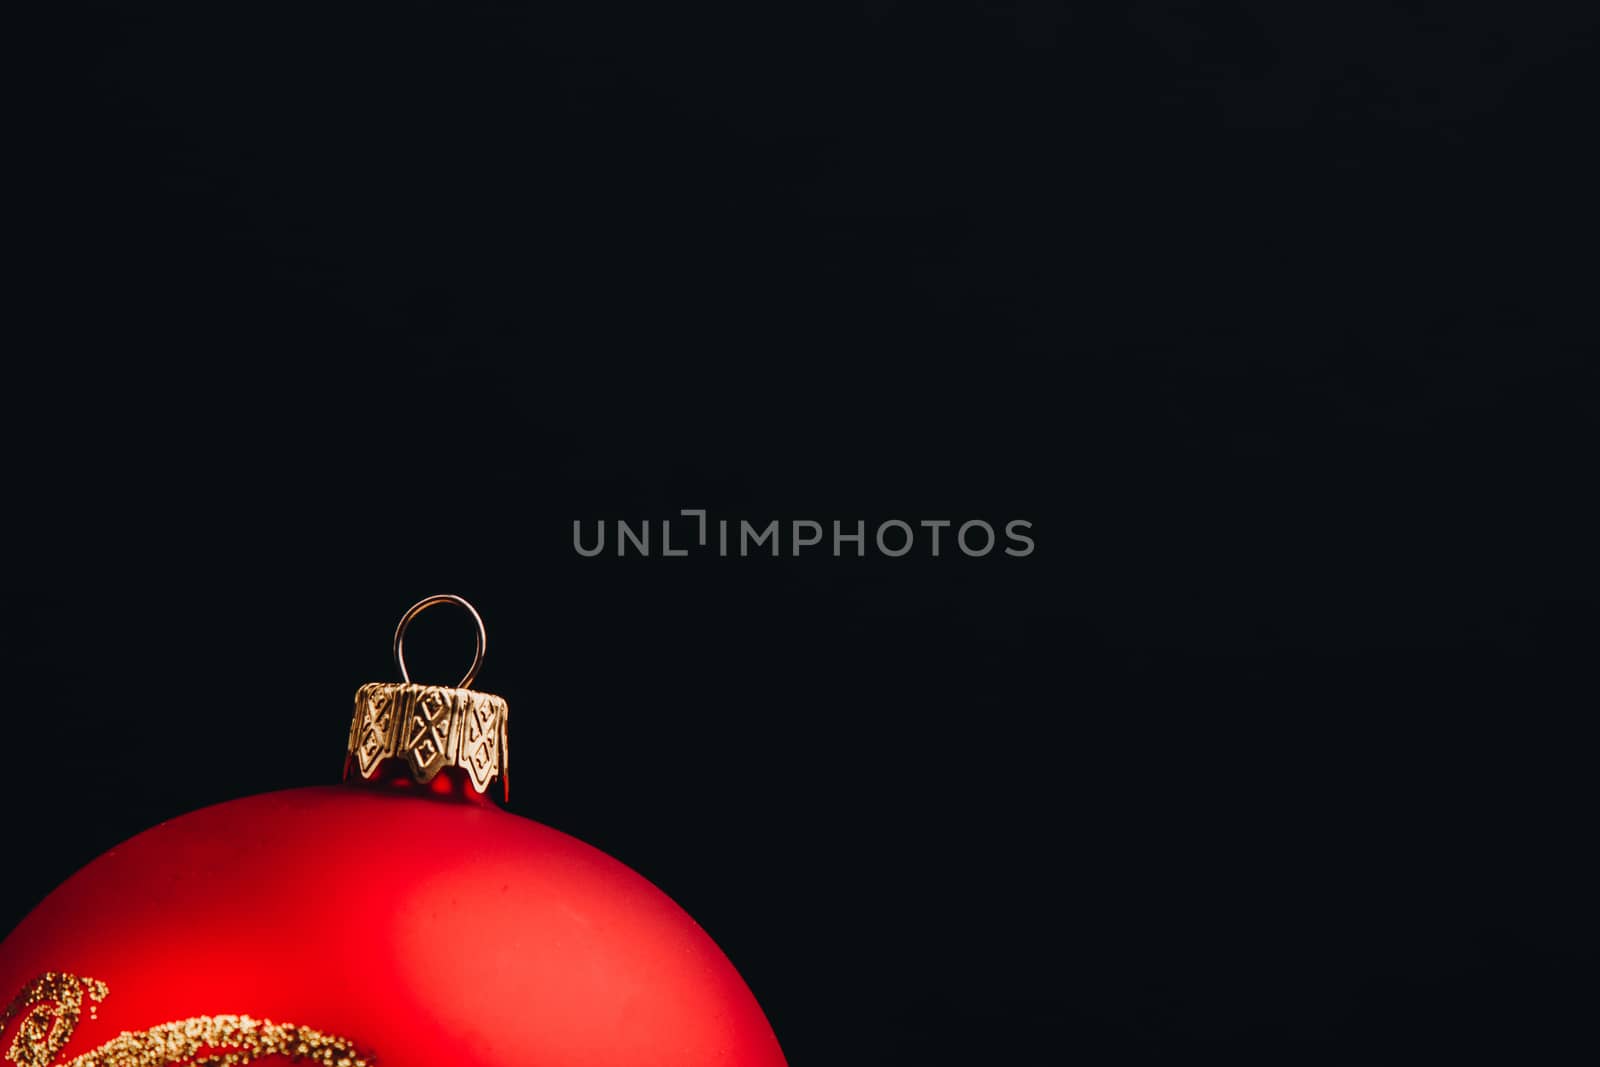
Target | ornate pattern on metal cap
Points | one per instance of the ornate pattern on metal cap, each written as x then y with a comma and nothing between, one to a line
431,727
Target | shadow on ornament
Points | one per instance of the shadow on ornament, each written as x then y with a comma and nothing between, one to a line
51,1005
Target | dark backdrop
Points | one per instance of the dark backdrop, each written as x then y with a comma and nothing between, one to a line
1275,320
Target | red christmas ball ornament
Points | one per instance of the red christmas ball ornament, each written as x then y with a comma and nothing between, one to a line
401,919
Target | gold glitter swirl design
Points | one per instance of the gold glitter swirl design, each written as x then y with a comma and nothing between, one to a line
430,727
50,1007
52,1004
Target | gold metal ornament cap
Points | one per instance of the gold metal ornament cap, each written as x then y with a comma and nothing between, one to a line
431,727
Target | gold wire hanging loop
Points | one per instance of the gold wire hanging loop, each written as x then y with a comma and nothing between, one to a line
417,609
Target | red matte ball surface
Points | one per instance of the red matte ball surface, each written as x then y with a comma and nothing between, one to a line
420,931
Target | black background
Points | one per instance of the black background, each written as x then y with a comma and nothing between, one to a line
1275,320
